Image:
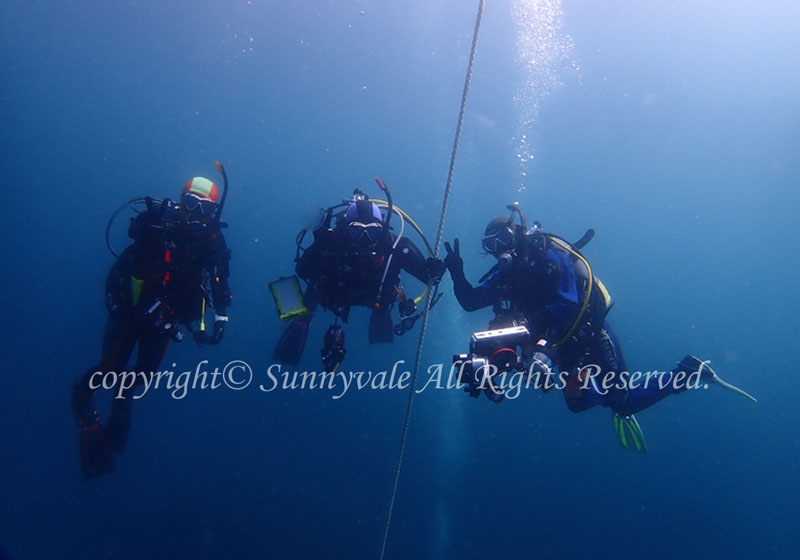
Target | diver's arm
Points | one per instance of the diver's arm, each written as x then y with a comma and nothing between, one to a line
411,259
118,283
471,298
219,272
144,259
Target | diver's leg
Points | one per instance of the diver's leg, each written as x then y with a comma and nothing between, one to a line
579,394
118,342
660,385
152,349
584,386
636,395
94,450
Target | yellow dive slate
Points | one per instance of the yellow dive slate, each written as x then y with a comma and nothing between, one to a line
288,298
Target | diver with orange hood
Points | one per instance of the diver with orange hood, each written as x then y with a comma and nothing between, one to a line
176,268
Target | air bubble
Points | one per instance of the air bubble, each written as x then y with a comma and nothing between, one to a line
542,55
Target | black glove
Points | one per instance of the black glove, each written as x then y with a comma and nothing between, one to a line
453,260
219,329
201,337
435,268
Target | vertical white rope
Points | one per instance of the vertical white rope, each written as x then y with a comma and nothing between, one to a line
428,300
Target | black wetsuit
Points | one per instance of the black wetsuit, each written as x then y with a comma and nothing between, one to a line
157,283
340,277
342,274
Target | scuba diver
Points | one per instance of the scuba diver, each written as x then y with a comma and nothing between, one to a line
354,260
548,302
175,267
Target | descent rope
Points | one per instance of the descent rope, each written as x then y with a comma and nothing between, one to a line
439,231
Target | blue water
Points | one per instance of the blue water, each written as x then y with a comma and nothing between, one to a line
673,132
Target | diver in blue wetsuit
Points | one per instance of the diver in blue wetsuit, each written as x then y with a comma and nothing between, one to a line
548,303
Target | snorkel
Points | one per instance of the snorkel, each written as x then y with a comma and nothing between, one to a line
514,207
390,209
224,190
506,258
385,189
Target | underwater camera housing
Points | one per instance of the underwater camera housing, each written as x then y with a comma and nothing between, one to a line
491,353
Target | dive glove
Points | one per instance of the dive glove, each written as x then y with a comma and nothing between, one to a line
219,329
453,260
435,268
200,337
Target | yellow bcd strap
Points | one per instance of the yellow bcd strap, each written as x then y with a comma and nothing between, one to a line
136,290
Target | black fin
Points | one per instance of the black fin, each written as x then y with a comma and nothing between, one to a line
290,347
380,327
95,454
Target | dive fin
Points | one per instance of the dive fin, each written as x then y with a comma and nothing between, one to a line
692,363
119,424
380,326
730,387
94,451
290,347
629,432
